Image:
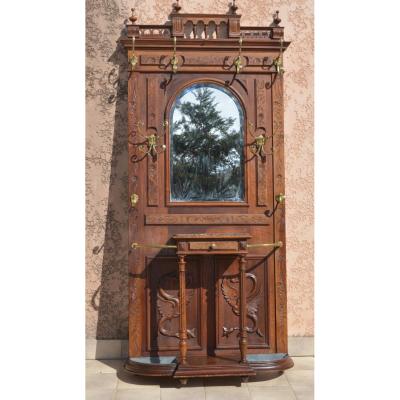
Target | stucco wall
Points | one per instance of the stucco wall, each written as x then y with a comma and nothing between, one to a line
106,154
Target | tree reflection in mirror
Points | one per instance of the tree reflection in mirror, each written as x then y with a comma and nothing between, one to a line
206,145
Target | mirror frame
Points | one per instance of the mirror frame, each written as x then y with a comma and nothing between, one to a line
170,104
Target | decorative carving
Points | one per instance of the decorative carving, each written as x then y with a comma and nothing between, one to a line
203,60
134,318
230,291
256,34
234,7
168,305
152,182
195,26
261,182
206,219
259,61
153,87
135,283
150,60
155,32
176,6
135,303
279,216
261,101
261,115
234,27
206,26
276,19
133,17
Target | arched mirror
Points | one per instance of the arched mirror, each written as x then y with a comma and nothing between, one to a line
206,146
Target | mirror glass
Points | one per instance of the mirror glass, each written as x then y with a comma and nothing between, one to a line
206,145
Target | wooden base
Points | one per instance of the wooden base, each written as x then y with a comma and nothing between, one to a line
207,366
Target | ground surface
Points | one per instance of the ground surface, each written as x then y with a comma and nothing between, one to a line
107,380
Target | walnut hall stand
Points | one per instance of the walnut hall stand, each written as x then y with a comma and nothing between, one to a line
207,286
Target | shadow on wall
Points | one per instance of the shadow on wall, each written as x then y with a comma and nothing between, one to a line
110,299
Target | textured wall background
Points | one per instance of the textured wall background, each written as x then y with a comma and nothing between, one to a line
106,153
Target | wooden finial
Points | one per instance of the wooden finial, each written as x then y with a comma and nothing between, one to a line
176,6
277,20
234,7
133,17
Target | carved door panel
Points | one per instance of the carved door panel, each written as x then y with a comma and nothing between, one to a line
170,203
260,318
163,304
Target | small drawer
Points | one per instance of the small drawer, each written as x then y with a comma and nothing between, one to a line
213,246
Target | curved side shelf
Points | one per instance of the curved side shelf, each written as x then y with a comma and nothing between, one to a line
270,362
151,366
168,365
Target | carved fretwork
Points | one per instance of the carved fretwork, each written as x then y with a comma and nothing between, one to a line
230,291
168,305
197,26
205,26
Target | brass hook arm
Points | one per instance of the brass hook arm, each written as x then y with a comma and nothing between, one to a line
174,59
153,246
278,62
277,244
238,60
133,60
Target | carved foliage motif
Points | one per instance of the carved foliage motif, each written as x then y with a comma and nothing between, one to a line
206,219
153,87
135,302
149,60
261,112
168,305
153,113
204,60
230,291
261,100
277,104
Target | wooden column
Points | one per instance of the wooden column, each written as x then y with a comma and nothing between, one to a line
182,310
242,315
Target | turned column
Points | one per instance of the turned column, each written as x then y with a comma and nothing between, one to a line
242,314
182,309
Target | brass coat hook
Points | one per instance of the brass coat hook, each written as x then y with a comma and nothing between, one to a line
149,144
238,60
133,60
174,64
260,140
279,199
134,200
174,59
237,63
278,62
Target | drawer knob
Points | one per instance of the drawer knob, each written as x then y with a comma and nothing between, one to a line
213,246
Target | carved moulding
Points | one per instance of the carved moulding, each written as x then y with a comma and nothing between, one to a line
206,219
230,291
